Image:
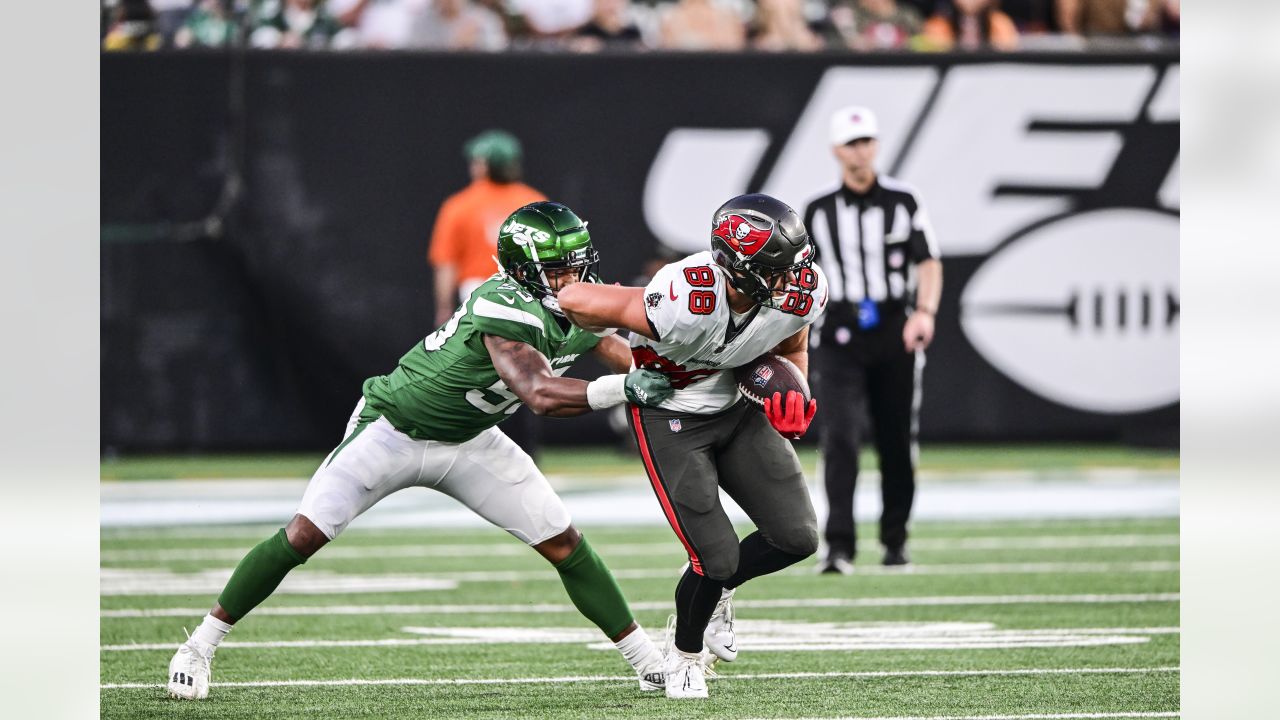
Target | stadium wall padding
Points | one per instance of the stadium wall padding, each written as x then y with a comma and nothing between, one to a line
245,315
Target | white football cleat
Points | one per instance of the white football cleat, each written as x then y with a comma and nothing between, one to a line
719,635
709,661
189,670
684,676
653,676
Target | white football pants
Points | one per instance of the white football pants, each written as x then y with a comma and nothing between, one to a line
489,474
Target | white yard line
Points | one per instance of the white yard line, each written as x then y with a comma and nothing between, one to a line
1055,568
1033,716
926,601
514,549
258,531
151,581
630,678
863,636
977,496
381,642
147,582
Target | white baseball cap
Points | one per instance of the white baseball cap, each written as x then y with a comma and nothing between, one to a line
850,123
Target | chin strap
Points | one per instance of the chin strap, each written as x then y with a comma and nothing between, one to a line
551,303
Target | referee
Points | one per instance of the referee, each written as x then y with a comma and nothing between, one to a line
881,259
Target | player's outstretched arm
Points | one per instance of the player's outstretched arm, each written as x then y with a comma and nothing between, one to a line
526,372
605,306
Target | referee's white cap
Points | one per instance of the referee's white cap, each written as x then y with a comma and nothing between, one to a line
851,123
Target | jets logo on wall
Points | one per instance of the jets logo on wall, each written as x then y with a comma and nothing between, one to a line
1064,178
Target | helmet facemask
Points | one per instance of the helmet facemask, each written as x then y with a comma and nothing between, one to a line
533,274
771,287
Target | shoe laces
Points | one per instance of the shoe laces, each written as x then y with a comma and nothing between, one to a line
725,608
709,661
199,647
669,641
687,662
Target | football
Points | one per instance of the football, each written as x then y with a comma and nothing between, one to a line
769,374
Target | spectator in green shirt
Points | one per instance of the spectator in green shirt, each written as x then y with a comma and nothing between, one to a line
208,25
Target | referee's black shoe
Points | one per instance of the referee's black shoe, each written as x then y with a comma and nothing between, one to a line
896,556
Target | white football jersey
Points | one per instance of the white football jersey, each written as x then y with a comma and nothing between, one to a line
688,307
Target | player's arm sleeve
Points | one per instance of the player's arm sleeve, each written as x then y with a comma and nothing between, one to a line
446,245
494,317
922,242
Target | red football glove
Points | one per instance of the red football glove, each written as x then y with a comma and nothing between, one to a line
791,420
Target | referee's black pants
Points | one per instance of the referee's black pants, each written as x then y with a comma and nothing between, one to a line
869,376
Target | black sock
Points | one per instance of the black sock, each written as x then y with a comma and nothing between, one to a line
756,557
696,598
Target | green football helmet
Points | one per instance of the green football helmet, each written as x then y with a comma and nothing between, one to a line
545,236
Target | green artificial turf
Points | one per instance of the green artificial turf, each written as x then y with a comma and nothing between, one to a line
1124,585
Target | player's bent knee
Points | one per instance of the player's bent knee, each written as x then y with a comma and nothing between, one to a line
795,536
557,549
799,540
304,536
720,566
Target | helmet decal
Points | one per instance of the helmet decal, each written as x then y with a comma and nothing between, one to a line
524,235
741,234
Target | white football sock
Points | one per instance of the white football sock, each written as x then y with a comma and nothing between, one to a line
638,650
727,593
211,631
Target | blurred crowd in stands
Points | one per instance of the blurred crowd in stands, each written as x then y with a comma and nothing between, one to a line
641,25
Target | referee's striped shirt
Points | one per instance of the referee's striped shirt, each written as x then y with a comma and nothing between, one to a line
869,244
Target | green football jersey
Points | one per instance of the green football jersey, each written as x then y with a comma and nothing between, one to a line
446,387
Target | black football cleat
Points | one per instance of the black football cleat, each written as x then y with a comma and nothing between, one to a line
896,556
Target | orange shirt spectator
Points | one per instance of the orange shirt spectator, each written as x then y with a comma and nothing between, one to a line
465,237
973,25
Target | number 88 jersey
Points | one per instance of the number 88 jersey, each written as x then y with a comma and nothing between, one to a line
698,335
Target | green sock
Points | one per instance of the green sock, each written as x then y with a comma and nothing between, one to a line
259,574
593,590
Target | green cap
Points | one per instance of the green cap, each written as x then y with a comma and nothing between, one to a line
496,147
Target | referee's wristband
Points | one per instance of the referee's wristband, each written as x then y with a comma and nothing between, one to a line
607,391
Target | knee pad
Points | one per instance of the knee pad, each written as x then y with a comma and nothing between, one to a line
799,540
720,565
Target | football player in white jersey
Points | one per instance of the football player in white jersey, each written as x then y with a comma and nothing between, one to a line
755,291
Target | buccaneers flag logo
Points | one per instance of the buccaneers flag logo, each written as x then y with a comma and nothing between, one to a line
741,234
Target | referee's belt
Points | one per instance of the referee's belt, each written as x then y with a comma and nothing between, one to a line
839,310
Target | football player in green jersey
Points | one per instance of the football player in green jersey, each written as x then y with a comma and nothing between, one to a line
431,422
